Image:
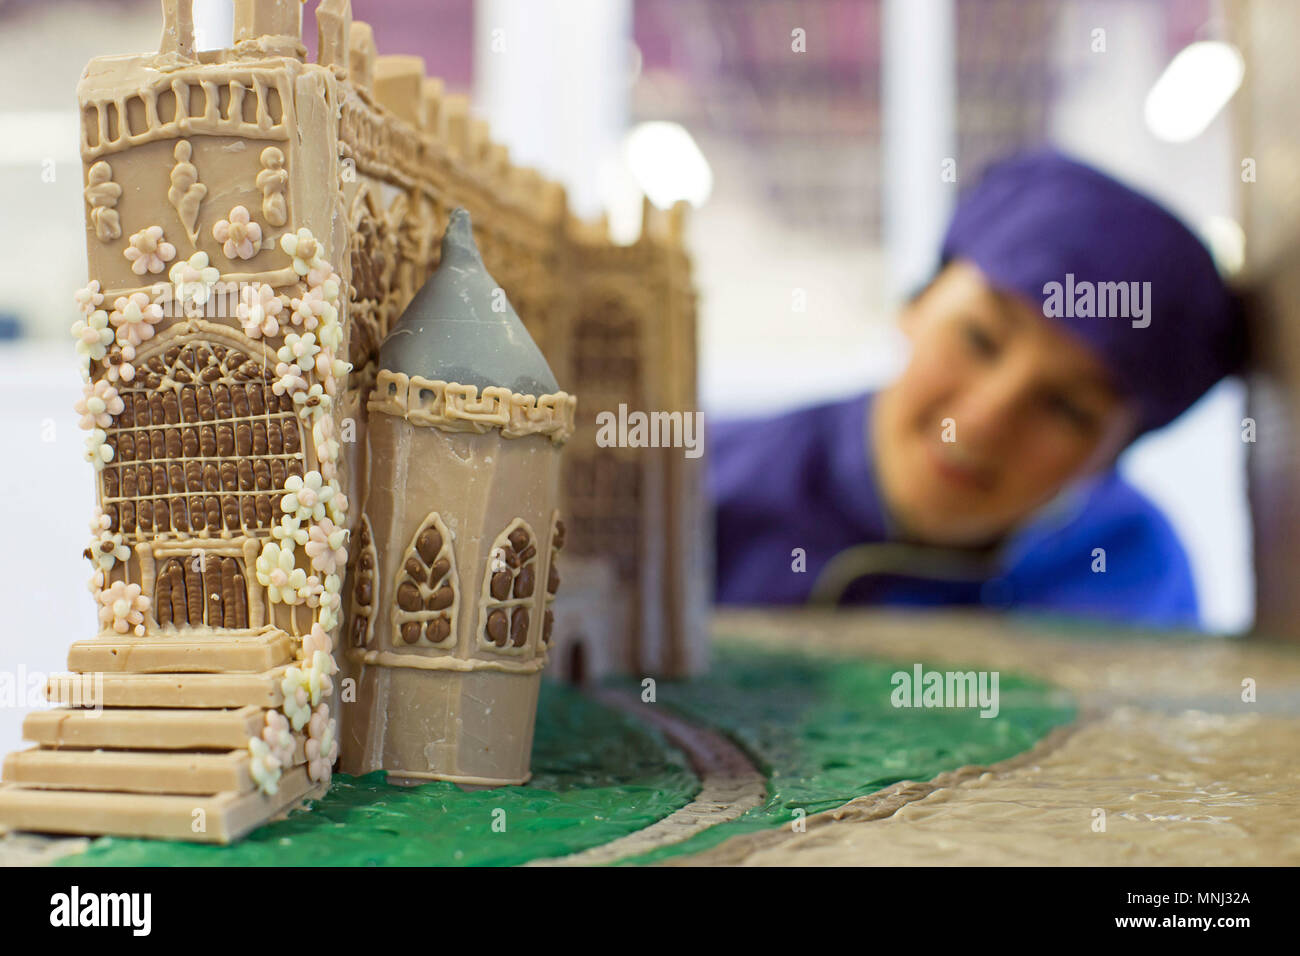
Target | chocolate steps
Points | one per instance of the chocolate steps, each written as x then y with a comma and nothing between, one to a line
163,655
152,731
130,770
167,690
145,729
219,818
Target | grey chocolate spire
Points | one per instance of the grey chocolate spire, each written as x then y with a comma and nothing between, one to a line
450,331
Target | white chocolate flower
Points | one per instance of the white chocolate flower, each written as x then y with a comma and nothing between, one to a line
311,591
89,297
317,640
93,335
290,379
278,737
312,308
147,251
276,572
292,594
331,602
107,549
240,236
194,279
324,277
263,766
290,529
338,505
306,496
299,349
98,404
322,434
322,747
296,688
305,249
98,451
331,333
314,399
99,521
134,317
259,310
327,546
122,607
337,377
119,365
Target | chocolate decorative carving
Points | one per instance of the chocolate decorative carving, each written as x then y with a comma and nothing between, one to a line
455,407
509,586
186,192
203,443
273,180
363,585
370,292
102,194
552,578
425,608
201,590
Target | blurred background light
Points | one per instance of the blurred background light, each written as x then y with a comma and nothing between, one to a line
1194,87
667,164
1227,242
214,24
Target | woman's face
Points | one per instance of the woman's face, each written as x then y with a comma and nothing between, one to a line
998,410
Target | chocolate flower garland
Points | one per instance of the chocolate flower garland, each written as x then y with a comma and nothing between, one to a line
314,519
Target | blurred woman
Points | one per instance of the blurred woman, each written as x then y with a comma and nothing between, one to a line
1070,315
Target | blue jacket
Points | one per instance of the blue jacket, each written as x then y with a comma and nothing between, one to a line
803,480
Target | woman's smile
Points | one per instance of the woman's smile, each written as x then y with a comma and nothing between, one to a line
952,468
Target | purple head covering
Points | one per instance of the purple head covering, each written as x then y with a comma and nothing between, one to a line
1116,269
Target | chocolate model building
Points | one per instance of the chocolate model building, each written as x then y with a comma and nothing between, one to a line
265,538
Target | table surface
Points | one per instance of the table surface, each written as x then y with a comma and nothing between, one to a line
1146,753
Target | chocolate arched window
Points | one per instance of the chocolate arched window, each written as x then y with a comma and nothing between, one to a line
509,583
424,613
362,575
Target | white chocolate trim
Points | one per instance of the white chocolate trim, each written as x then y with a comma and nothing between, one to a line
421,662
460,408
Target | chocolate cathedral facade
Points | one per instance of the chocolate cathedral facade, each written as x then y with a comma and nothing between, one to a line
256,225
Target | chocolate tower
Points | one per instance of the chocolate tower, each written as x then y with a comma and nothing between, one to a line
466,424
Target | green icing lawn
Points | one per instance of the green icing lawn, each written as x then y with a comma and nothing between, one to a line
823,730
597,776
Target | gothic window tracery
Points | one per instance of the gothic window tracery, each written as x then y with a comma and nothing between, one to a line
203,445
424,614
361,627
509,582
552,578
